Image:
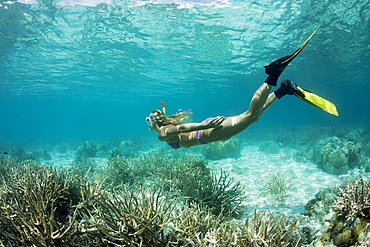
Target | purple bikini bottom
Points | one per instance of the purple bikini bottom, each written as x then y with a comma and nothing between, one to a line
198,132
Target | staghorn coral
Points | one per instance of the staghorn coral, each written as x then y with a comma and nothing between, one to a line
36,203
42,206
191,224
145,217
193,181
349,227
118,172
83,165
148,218
6,164
354,201
268,229
220,193
186,177
131,218
262,230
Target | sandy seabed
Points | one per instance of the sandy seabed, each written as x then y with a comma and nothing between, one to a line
254,168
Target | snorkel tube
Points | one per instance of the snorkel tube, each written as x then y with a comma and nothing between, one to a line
163,108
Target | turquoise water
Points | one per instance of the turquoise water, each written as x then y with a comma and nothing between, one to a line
95,69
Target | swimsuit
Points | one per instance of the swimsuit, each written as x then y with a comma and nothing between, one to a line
197,133
176,145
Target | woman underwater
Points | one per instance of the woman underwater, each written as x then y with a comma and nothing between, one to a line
178,134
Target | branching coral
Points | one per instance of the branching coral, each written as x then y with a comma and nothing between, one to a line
353,215
132,218
268,229
220,193
6,164
41,206
278,187
192,223
36,206
186,177
355,200
196,183
262,230
118,172
84,166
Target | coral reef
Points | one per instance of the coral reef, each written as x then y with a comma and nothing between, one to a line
131,218
336,155
86,150
269,147
262,230
322,204
126,148
103,149
38,206
22,155
222,150
191,179
130,147
120,171
220,194
185,177
355,200
84,165
278,187
42,206
349,226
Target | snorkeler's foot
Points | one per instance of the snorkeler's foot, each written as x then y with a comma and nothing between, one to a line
288,87
275,69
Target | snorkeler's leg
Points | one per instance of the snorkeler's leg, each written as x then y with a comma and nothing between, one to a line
259,99
270,100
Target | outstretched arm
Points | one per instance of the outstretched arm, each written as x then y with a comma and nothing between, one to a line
168,132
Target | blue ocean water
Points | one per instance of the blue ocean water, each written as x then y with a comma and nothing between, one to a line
95,69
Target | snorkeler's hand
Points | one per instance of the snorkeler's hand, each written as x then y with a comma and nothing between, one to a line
216,122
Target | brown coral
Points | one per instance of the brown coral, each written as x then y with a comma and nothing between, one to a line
353,215
355,200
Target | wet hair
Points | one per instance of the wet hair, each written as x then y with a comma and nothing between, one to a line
178,118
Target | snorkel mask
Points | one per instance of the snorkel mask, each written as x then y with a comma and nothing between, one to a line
148,119
159,117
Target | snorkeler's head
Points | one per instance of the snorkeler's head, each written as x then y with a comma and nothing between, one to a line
156,116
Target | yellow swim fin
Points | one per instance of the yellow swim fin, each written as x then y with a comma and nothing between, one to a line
317,101
275,68
291,57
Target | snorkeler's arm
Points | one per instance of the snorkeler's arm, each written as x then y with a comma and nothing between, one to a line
189,127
